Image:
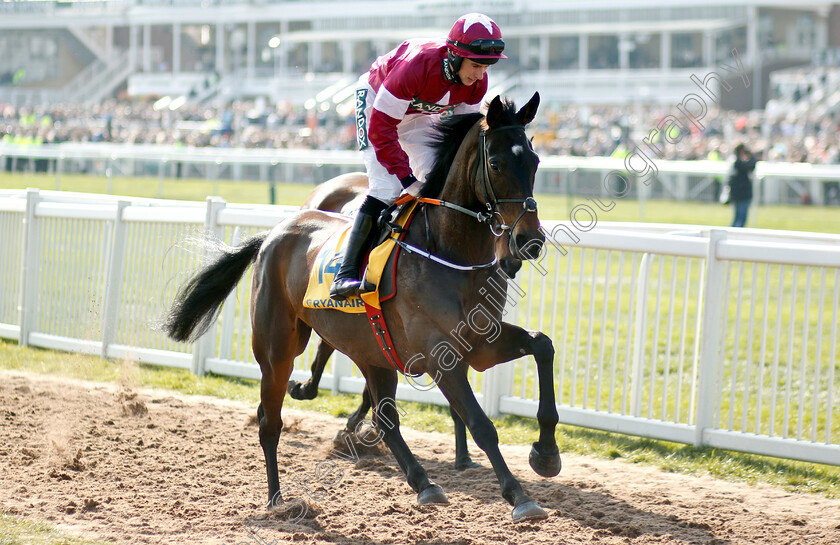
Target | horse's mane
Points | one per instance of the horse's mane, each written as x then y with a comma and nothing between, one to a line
450,133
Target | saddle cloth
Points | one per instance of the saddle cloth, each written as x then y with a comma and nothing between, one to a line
380,272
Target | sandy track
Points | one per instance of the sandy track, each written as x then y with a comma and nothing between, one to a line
156,467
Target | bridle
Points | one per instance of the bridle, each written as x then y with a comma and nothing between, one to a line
488,217
529,204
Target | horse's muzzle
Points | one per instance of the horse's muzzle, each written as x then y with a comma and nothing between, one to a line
510,266
528,247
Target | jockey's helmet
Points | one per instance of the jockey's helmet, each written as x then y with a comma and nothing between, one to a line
477,37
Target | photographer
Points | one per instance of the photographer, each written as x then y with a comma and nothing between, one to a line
741,184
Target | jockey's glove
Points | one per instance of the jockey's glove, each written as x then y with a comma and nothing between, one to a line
408,180
414,189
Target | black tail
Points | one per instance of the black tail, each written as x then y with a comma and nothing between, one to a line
197,303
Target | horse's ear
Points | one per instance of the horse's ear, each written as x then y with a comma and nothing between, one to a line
529,111
494,111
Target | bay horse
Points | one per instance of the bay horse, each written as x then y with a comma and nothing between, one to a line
439,311
344,194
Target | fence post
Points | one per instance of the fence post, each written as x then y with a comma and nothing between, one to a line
109,169
712,301
640,336
113,280
59,164
206,345
161,170
29,280
342,366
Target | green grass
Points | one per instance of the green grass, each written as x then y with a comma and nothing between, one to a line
819,219
17,531
790,475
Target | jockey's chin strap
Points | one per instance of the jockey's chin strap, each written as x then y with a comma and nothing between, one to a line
529,204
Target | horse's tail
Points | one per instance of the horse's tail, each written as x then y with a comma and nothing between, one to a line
197,304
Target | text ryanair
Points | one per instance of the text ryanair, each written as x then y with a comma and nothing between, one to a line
354,302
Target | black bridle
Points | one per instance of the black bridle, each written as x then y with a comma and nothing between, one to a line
529,204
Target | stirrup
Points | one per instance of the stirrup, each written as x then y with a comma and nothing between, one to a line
348,287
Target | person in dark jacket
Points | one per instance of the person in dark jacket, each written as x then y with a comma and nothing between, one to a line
741,184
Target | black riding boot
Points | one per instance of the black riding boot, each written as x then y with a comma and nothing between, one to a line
347,282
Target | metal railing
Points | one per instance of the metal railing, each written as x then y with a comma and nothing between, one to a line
727,338
678,180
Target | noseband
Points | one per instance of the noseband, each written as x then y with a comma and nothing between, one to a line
529,204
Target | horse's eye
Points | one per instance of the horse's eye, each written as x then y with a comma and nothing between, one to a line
494,165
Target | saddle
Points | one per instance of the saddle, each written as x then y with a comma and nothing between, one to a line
379,265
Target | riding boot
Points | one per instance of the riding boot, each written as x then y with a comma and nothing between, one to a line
347,281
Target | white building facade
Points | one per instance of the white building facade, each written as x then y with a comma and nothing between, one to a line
601,51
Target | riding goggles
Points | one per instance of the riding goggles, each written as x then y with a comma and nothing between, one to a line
482,46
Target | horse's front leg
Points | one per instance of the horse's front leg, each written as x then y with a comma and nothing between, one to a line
455,386
510,342
382,384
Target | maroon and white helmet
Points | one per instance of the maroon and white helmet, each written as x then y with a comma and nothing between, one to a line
476,36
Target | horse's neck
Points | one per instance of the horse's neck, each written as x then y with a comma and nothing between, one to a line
457,236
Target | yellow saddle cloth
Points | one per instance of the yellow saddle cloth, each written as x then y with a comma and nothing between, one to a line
328,262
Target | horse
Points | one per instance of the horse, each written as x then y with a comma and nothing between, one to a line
483,180
345,193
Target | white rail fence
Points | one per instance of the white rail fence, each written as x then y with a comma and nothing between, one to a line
680,180
725,338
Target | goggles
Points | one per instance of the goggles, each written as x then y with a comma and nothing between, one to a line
482,47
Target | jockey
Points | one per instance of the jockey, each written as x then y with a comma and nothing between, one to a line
398,101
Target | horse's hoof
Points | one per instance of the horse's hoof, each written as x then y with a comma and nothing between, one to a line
342,438
299,390
467,463
530,510
545,465
432,495
293,389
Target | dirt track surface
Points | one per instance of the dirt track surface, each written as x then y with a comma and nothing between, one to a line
156,467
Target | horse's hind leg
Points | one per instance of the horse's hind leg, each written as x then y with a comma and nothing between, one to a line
275,350
356,417
383,387
309,389
462,455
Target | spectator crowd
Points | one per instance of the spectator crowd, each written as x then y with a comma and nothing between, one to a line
571,130
245,124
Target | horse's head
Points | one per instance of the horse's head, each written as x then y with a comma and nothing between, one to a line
506,166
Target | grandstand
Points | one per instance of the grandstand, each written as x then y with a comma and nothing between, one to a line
169,75
309,53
